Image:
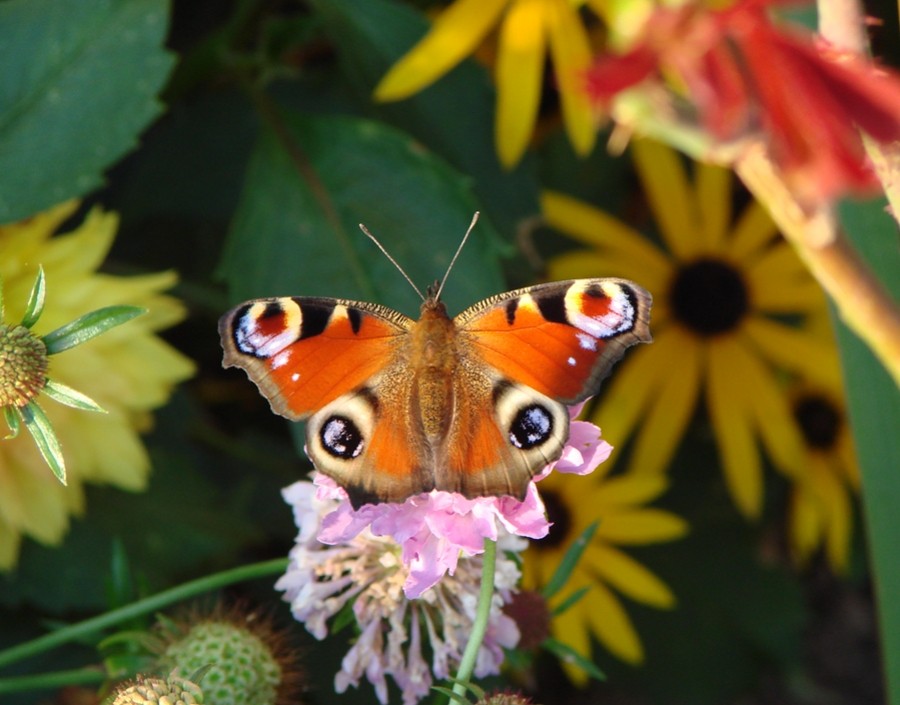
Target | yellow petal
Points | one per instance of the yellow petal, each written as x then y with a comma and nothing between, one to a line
454,35
677,384
838,516
630,489
725,400
778,428
629,577
611,624
519,74
640,527
669,194
630,391
596,228
790,348
805,524
753,231
713,205
571,53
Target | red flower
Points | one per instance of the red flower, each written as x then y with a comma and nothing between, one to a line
748,76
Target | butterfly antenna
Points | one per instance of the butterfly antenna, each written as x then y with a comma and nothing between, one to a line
455,256
392,260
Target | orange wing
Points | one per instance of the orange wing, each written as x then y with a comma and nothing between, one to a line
560,338
303,352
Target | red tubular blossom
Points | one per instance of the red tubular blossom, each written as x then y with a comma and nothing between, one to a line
749,77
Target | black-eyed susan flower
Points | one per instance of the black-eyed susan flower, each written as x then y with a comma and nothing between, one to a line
821,504
528,30
127,371
603,571
722,288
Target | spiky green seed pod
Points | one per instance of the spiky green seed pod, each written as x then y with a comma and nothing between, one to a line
242,669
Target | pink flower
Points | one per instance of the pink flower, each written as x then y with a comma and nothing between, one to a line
368,572
435,528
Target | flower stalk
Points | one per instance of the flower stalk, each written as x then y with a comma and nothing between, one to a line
863,303
479,627
90,627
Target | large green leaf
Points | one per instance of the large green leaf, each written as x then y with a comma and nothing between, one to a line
310,184
454,116
874,405
79,82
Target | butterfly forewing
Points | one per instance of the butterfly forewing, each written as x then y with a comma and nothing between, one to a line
304,353
559,338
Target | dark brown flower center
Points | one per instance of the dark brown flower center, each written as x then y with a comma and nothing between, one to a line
819,420
558,514
709,296
23,365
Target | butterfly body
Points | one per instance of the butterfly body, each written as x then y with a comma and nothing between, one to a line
474,404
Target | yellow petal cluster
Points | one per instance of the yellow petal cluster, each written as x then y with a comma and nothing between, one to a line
129,371
733,368
528,31
618,505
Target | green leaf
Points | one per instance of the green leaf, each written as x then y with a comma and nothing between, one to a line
12,420
312,180
64,394
78,85
567,654
454,117
874,406
41,429
88,326
35,306
568,563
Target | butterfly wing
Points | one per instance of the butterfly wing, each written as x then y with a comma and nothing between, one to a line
304,352
342,366
560,338
539,349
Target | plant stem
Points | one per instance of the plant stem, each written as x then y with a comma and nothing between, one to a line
93,625
479,627
50,681
862,302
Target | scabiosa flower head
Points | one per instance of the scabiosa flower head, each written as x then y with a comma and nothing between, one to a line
157,691
413,571
368,571
434,528
238,657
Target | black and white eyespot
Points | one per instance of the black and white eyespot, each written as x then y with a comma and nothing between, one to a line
531,427
338,435
533,423
341,437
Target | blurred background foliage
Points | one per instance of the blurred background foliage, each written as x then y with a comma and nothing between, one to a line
248,176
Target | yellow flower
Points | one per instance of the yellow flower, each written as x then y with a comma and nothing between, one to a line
721,290
821,506
528,29
128,371
573,504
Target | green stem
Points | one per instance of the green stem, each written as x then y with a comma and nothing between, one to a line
93,625
479,627
51,681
